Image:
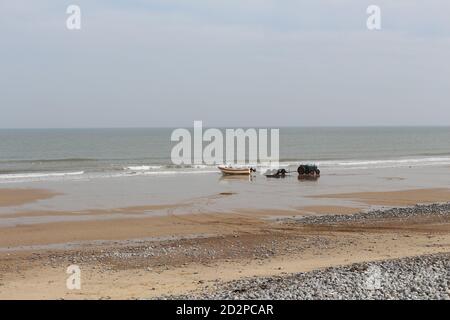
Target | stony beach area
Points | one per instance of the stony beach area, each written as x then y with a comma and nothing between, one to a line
422,277
435,210
419,277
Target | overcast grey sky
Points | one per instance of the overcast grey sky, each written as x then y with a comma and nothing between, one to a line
227,62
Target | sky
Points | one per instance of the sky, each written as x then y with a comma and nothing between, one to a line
252,63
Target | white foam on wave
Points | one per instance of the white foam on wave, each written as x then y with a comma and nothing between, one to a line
160,170
385,163
199,166
369,164
179,171
143,168
37,176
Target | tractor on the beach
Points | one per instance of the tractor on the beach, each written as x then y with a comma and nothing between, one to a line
305,171
308,170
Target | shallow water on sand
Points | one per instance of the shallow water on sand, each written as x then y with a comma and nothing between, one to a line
211,192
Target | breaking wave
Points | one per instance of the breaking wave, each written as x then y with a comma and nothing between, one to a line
109,171
37,176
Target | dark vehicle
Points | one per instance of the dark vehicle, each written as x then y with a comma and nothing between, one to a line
308,169
280,173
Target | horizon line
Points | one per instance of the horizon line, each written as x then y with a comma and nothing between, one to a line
224,127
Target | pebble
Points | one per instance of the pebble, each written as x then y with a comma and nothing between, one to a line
435,210
422,277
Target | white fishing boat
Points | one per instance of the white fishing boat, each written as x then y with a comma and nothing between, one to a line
236,171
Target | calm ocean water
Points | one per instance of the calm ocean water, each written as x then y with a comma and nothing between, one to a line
29,154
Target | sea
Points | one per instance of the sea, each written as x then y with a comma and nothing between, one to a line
69,154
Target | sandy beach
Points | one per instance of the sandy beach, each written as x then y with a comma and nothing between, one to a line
175,254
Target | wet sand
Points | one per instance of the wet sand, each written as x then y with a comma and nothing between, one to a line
154,268
91,213
123,229
15,197
144,257
394,198
330,210
244,220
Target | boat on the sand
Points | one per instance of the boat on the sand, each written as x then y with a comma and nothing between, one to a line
236,171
